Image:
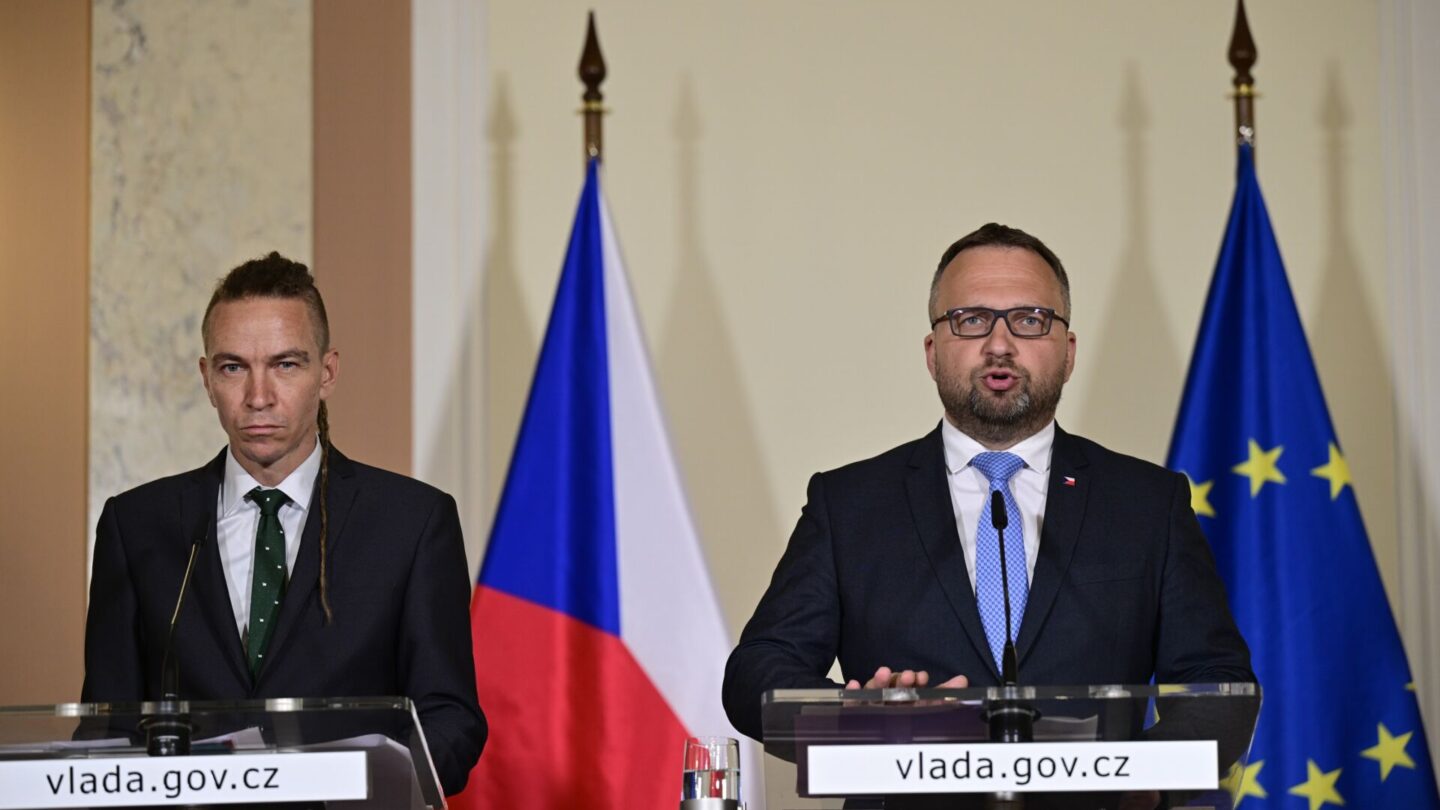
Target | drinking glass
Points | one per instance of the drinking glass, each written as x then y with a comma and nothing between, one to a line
712,768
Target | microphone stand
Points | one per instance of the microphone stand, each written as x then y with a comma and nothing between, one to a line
1010,718
168,728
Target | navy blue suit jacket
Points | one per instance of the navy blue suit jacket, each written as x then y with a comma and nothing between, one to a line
1124,588
397,582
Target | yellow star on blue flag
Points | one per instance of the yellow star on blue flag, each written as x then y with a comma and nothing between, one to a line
1319,786
1390,751
1261,467
1244,781
1200,497
1336,471
1294,554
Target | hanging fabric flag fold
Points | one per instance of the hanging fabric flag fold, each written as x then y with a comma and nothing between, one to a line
599,643
1339,724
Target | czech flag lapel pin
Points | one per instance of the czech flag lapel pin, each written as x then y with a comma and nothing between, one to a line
1069,481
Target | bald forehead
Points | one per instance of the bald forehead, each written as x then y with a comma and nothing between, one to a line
994,267
1005,276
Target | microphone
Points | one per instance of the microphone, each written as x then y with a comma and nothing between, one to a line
170,664
1011,718
167,732
1000,519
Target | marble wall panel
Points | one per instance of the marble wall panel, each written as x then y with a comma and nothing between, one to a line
200,159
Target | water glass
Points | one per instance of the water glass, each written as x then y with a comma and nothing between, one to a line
712,768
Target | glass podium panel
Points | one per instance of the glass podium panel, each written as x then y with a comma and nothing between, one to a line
64,738
1063,747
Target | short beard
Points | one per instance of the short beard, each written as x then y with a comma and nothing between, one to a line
999,423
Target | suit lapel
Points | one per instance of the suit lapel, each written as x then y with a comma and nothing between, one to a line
929,494
198,509
306,576
1064,513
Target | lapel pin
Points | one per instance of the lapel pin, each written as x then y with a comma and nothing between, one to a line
1069,482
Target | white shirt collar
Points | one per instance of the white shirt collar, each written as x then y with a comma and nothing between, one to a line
298,485
960,449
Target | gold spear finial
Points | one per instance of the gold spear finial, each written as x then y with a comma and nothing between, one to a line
1242,58
592,73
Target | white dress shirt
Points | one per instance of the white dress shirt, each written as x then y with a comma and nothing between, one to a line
238,519
969,489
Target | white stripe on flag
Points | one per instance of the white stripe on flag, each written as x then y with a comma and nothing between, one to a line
669,615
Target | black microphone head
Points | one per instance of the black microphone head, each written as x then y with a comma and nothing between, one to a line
998,518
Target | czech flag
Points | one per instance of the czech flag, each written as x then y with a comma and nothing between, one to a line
599,643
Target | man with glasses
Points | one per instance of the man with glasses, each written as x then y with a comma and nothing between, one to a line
895,569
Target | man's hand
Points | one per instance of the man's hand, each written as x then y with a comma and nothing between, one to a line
885,678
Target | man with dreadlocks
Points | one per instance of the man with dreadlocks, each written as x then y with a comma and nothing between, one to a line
316,575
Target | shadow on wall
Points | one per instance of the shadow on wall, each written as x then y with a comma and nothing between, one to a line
1345,338
715,436
463,403
510,346
1131,407
457,452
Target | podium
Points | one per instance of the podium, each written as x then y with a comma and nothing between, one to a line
1075,747
352,753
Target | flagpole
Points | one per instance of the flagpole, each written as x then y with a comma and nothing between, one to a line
592,73
1242,58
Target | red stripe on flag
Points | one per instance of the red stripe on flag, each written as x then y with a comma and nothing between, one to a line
574,720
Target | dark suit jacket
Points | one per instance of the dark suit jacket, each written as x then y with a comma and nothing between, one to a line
1124,588
398,586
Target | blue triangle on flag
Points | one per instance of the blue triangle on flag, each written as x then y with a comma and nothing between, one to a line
553,541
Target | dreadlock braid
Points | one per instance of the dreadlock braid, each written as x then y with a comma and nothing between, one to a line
323,420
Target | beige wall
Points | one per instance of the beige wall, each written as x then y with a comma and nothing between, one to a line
1410,103
785,175
44,184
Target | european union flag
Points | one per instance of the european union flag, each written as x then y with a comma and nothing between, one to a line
1340,724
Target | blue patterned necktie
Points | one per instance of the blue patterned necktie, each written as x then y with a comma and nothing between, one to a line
999,468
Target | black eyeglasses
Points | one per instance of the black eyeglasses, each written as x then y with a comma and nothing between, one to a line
977,322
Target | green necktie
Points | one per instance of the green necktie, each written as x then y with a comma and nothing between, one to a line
267,586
